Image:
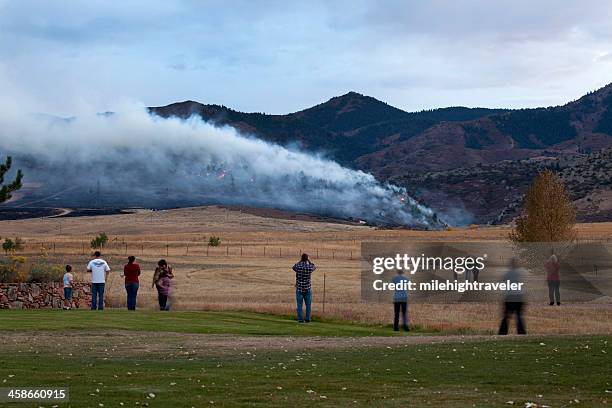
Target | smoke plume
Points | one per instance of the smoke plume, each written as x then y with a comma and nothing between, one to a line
132,158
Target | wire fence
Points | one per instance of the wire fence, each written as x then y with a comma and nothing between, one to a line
170,249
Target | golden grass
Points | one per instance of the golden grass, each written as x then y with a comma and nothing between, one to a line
251,268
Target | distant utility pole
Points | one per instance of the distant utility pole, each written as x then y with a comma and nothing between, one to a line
98,194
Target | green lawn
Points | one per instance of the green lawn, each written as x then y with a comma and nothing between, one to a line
112,370
485,374
240,323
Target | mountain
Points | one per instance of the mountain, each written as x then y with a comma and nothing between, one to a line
580,126
345,127
450,158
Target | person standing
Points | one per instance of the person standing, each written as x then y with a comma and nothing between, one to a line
400,300
68,280
99,272
514,301
162,282
553,279
163,285
131,272
303,287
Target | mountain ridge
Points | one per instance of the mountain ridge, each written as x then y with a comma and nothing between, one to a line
364,133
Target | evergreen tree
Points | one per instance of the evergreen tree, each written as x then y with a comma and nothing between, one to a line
6,190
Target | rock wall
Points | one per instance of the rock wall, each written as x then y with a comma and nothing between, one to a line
42,295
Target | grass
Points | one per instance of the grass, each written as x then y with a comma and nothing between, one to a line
239,323
549,371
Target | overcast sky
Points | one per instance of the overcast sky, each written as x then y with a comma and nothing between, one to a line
279,57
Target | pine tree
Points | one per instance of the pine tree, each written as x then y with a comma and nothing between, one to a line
6,190
549,215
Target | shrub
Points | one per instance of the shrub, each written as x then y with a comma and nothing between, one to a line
99,241
7,272
10,245
214,241
46,273
14,270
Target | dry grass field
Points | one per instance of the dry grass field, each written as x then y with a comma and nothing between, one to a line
251,270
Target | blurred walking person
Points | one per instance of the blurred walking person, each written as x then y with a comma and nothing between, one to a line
162,281
99,272
303,287
514,301
553,279
131,272
400,300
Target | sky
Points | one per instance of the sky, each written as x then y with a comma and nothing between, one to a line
62,57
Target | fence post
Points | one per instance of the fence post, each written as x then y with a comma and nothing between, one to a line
324,293
167,249
264,250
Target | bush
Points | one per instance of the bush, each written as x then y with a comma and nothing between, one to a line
14,270
99,241
214,241
10,245
8,273
40,273
17,270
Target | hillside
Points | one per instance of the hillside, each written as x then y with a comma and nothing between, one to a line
345,127
494,192
442,154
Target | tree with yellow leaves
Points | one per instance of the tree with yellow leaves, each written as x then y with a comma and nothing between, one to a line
549,215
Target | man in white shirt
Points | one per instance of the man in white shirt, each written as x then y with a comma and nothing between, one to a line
99,272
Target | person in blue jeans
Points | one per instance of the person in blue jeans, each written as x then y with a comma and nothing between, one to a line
99,272
303,287
131,272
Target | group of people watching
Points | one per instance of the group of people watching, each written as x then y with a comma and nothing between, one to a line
163,275
99,269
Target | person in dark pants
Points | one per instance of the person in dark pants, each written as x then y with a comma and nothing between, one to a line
131,272
163,291
99,272
475,271
303,287
162,282
400,301
553,280
514,301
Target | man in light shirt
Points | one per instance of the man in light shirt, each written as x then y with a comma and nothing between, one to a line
99,272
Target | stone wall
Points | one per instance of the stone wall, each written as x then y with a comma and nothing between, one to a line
42,295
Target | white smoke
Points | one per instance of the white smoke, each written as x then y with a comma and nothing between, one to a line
145,160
